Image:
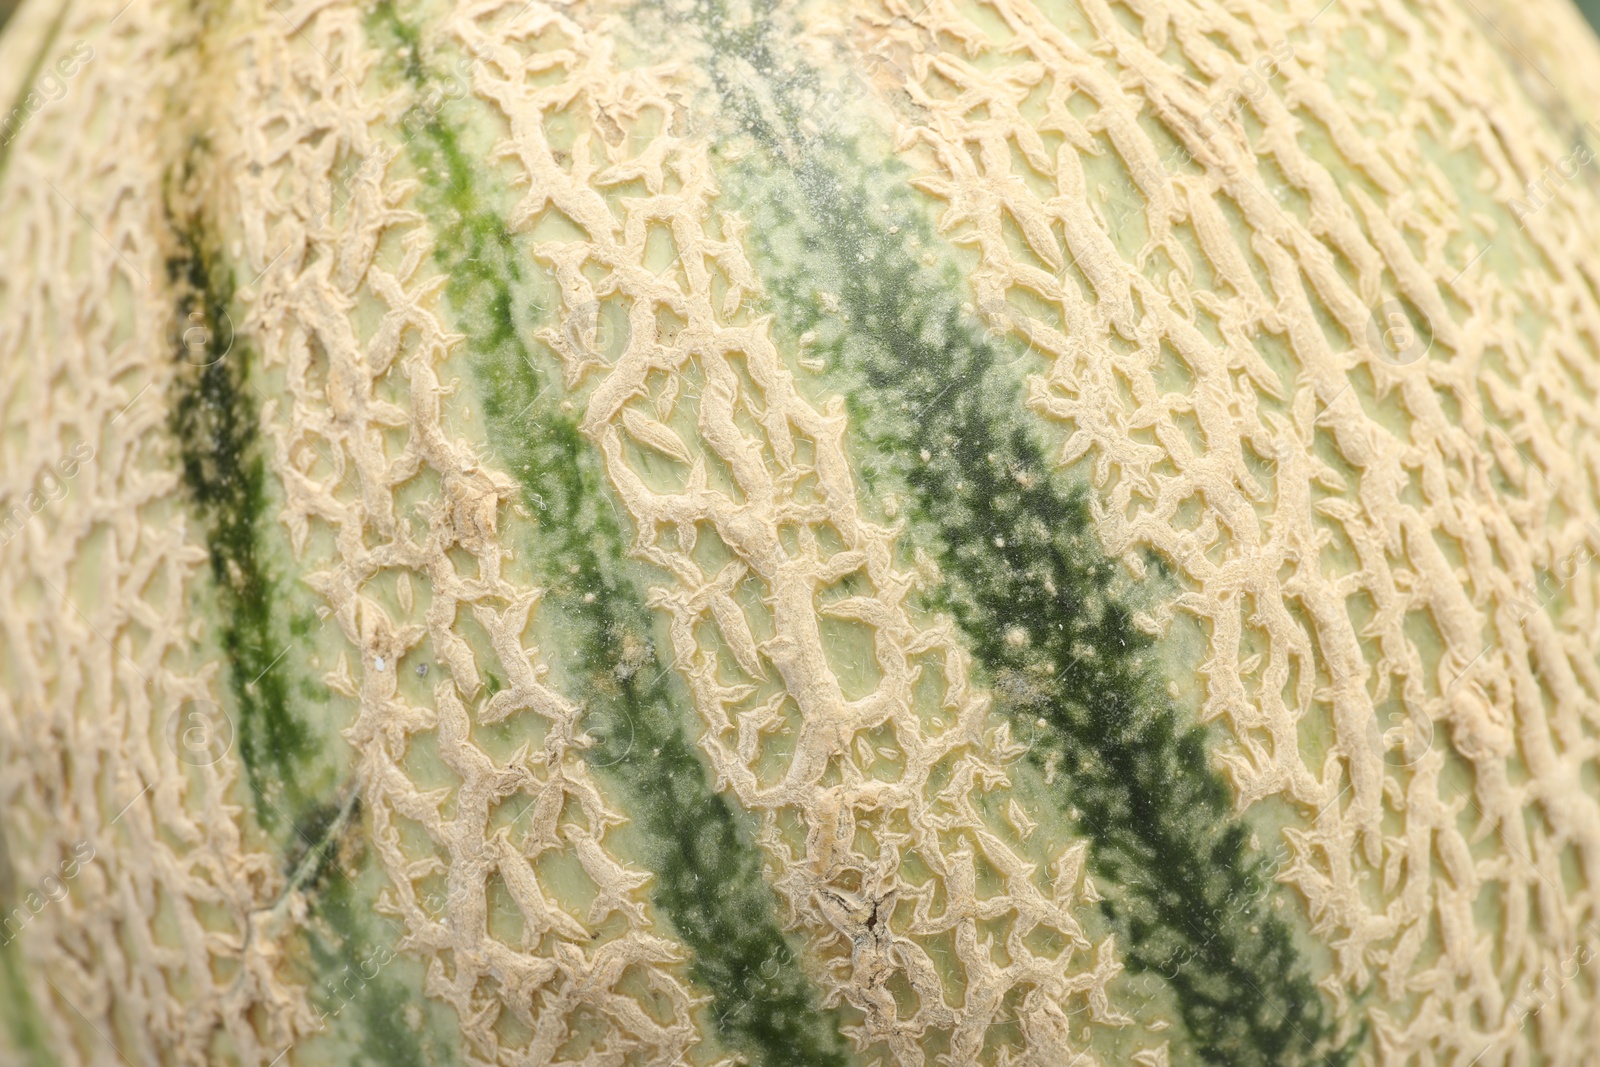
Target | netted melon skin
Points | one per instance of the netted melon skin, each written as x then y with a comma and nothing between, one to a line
798,533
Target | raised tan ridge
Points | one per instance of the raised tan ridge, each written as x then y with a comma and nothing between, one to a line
1307,465
359,418
163,945
763,473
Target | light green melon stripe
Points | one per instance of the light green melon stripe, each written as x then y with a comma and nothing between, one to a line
937,412
298,780
23,1031
709,881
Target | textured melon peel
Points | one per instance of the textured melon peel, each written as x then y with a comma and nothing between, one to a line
635,583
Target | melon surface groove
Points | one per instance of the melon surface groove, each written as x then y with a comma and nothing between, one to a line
792,532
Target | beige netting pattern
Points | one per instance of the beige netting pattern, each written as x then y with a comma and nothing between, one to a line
741,491
345,311
1439,509
1391,555
157,927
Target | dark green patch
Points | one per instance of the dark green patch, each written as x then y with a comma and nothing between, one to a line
361,1011
350,969
214,420
709,880
323,829
9,8
1025,577
348,987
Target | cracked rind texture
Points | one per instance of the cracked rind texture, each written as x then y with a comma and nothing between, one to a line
1398,548
833,892
343,297
749,462
342,450
138,908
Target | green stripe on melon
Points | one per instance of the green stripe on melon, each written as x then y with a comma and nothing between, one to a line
591,518
813,884
275,713
1047,615
214,419
600,637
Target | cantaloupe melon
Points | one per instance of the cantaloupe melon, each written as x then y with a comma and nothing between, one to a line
812,533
